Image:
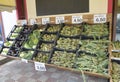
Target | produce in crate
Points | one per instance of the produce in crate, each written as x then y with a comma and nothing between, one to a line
115,72
95,30
18,29
49,37
5,51
26,54
8,43
116,54
94,47
71,30
14,35
91,63
63,59
46,47
116,45
32,40
67,43
41,57
53,28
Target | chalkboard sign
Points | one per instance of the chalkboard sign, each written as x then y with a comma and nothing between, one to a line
53,7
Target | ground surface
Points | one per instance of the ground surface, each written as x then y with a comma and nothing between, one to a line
18,71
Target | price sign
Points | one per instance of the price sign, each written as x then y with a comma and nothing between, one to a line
24,60
60,19
77,19
32,21
100,18
45,20
40,66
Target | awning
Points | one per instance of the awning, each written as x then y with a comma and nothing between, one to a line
7,5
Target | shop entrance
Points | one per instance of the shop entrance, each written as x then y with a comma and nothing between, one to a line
116,20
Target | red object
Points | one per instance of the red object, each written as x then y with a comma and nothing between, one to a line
21,9
110,6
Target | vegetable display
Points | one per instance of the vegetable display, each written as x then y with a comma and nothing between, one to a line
115,72
50,37
46,47
71,30
116,54
53,28
26,54
32,40
18,29
63,59
67,43
116,45
95,30
91,63
41,57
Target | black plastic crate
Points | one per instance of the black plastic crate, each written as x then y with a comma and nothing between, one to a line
71,30
41,56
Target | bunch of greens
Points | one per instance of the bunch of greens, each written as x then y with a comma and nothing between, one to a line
46,47
92,47
63,59
8,43
53,28
115,72
32,39
49,37
116,54
116,45
96,30
67,43
18,29
90,63
26,54
14,35
41,57
5,51
71,30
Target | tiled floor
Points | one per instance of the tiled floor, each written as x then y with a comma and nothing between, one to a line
18,71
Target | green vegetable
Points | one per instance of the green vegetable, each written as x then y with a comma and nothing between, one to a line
26,54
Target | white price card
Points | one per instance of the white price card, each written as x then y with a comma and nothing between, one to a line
77,19
32,21
40,66
45,20
60,19
24,60
100,18
23,22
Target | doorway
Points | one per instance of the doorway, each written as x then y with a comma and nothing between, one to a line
116,20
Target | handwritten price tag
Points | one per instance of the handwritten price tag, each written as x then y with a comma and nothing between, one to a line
100,18
45,20
60,19
77,19
40,66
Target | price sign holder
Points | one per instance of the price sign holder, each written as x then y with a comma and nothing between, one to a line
100,18
40,66
60,19
77,19
45,20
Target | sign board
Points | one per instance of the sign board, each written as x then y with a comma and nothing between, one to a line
60,19
40,66
45,20
77,19
100,18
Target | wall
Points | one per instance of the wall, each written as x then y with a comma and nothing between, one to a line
7,2
96,6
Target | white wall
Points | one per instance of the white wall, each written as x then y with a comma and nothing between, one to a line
9,20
